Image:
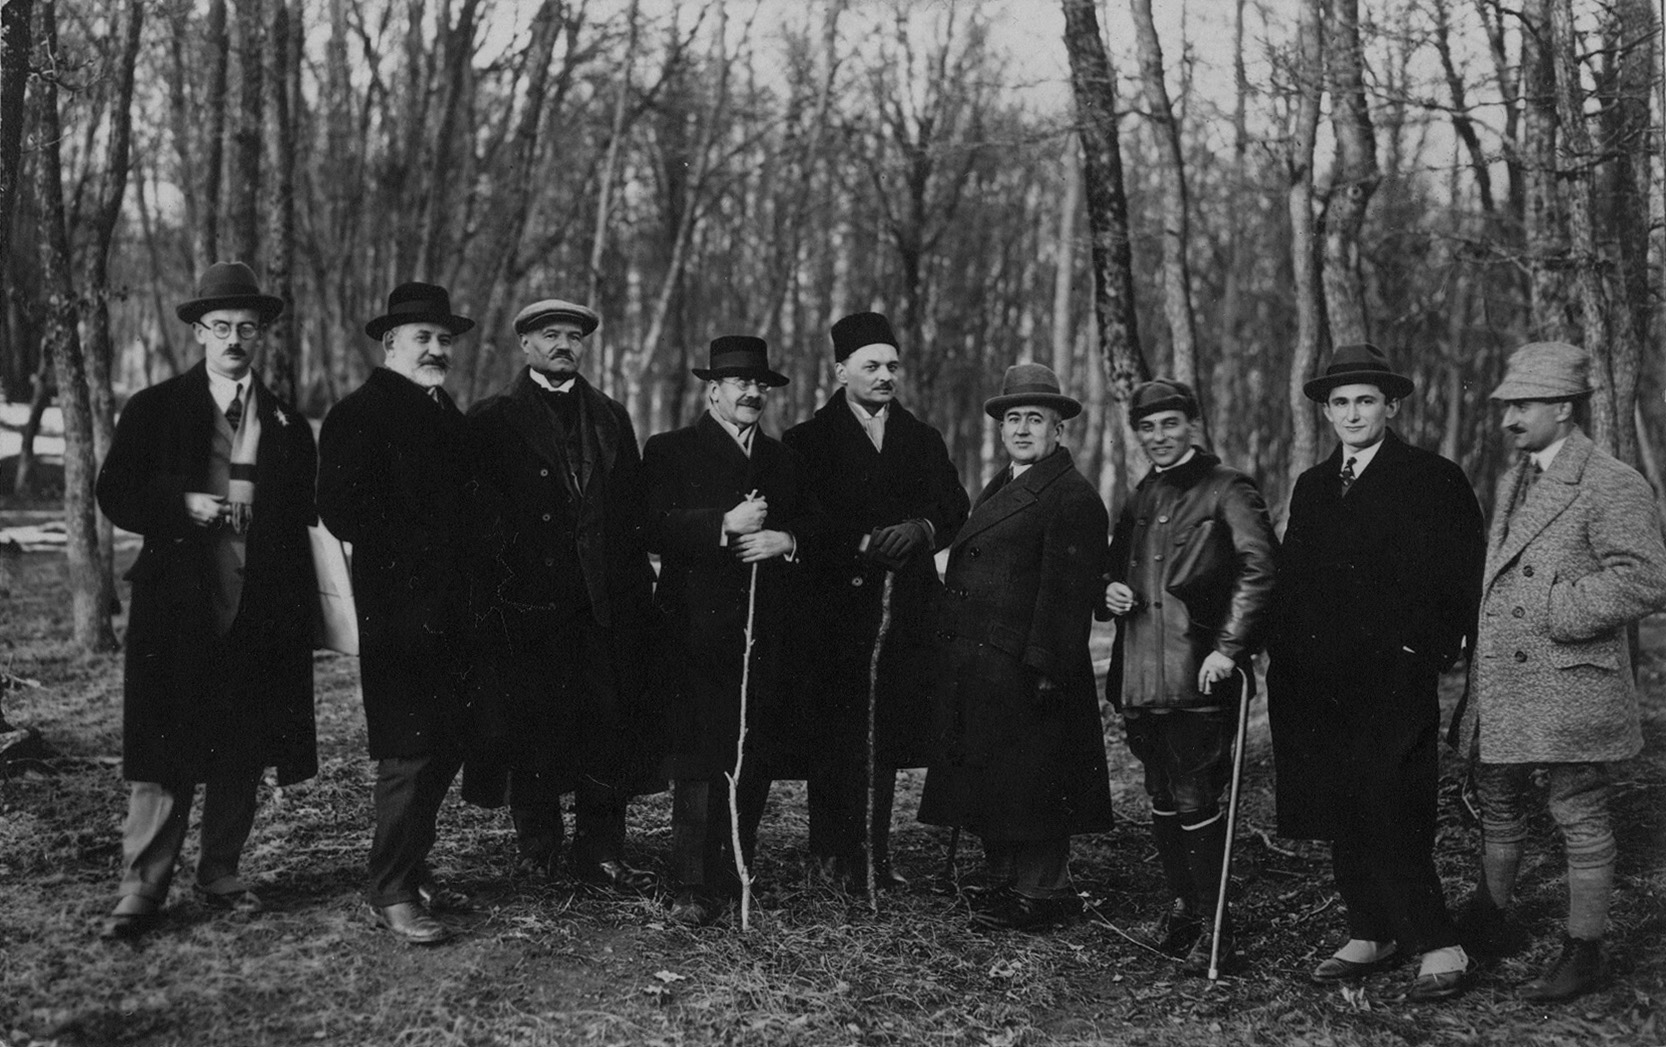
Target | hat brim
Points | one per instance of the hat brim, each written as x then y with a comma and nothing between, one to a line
1394,386
383,324
270,307
1512,389
998,406
762,374
586,324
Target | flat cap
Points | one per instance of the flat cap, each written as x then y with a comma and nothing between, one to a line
1162,394
556,309
1545,371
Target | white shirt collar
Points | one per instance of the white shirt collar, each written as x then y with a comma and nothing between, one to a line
224,390
743,437
538,376
1545,456
1191,452
1018,470
873,423
1362,458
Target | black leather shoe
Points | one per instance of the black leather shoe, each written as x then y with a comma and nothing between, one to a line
410,921
1018,912
1197,957
242,901
1484,929
694,909
1177,931
128,926
615,875
1336,969
437,897
1430,988
533,869
1577,970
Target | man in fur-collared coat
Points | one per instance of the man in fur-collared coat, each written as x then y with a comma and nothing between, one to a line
1574,557
1021,755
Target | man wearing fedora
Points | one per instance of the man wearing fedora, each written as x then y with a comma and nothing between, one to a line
216,473
1192,583
569,620
893,499
1377,592
1573,559
730,517
1020,758
392,480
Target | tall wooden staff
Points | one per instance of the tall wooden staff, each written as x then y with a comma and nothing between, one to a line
1231,824
740,753
873,703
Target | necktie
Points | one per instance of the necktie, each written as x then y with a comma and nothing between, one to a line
234,410
1347,475
434,395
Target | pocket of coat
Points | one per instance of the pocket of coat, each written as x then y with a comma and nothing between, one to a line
1601,654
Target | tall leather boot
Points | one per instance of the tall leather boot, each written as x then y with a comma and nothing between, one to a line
1205,849
1179,927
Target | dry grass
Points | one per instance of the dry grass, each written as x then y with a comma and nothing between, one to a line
562,965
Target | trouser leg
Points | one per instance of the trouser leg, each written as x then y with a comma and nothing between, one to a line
1503,792
598,822
228,814
1042,868
1351,865
409,791
152,836
720,874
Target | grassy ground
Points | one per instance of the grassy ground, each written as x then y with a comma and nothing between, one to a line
561,965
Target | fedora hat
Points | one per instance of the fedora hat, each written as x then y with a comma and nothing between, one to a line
229,285
1026,384
418,303
860,330
739,356
1359,363
556,309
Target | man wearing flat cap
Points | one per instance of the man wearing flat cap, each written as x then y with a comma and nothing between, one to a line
1020,757
570,607
1574,558
1192,584
731,519
216,473
893,500
393,479
1378,585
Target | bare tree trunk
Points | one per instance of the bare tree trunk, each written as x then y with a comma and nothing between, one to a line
1064,266
1354,181
207,250
243,200
604,193
458,49
91,588
282,58
1543,221
1304,250
23,481
15,43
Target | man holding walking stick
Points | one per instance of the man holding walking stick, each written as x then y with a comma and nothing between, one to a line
1192,579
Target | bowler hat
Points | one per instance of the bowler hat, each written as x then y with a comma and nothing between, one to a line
556,309
1545,371
860,330
1026,384
1161,394
1359,363
739,356
418,303
229,285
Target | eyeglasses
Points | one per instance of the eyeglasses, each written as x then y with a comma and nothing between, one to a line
744,384
222,329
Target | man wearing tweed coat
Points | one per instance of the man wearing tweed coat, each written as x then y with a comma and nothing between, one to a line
1574,557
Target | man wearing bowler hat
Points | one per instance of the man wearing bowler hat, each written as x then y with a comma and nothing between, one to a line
571,606
216,472
730,517
392,480
1020,758
1574,558
1377,592
893,499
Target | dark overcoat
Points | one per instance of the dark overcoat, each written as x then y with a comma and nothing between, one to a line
1011,762
694,476
1377,594
393,478
194,705
563,530
861,488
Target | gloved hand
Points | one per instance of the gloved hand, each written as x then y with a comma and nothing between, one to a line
898,541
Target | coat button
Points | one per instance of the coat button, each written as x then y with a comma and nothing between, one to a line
546,517
857,581
1521,656
1162,519
1157,604
549,561
1158,557
1519,612
1527,572
543,472
974,551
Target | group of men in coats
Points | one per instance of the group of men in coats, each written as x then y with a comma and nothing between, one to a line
512,627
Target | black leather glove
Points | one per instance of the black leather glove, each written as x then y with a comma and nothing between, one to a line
898,541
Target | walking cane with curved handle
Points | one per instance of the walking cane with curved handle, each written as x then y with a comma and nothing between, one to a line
1231,823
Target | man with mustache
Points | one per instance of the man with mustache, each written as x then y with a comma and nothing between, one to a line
392,481
1378,584
731,519
216,472
893,499
1574,558
1192,569
570,614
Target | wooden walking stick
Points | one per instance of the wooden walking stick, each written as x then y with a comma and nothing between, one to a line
740,753
1231,823
873,702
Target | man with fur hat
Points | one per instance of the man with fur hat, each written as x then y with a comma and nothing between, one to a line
216,473
1378,584
1573,559
1020,758
893,500
1192,583
392,481
569,616
731,518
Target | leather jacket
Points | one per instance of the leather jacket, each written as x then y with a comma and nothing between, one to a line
1196,546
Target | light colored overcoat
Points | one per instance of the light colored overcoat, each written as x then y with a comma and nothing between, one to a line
1580,559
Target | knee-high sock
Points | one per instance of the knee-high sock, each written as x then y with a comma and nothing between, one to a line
1500,861
1589,889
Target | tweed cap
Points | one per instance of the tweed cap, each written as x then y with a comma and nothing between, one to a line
1026,384
1161,394
556,309
1546,371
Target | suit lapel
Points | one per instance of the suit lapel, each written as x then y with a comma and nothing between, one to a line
1550,496
1001,500
722,449
528,416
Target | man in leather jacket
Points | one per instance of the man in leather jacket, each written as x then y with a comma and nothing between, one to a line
1192,577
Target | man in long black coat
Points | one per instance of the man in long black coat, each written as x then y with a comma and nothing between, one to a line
570,607
893,499
726,507
216,472
393,481
1020,758
1378,587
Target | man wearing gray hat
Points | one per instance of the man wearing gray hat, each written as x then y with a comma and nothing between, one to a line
571,590
1573,558
1020,757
